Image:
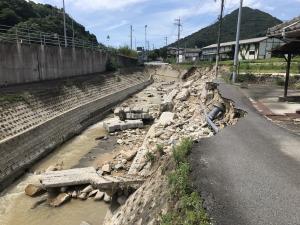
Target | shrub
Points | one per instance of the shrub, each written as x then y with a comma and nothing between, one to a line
150,157
111,64
248,77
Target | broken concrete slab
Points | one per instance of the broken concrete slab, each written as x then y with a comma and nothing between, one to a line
60,199
133,113
167,104
116,124
183,95
188,84
128,155
166,118
99,196
89,175
106,168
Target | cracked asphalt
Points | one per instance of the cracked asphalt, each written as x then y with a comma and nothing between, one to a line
249,173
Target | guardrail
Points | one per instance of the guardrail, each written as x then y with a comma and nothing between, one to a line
29,36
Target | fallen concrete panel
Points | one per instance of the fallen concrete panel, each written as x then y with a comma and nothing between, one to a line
88,175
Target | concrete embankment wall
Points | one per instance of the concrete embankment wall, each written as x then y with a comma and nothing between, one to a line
21,63
18,152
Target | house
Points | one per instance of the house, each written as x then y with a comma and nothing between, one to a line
185,54
255,48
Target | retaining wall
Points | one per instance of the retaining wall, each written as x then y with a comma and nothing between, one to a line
19,152
22,63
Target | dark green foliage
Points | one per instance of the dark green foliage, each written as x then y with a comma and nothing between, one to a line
248,77
150,157
254,24
111,64
42,17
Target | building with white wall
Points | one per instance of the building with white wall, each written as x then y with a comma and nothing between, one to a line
255,48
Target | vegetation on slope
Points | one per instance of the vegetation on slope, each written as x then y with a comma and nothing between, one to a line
254,24
42,17
186,205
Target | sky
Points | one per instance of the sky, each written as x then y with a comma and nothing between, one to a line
114,17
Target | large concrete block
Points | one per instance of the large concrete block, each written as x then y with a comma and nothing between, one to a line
116,124
166,118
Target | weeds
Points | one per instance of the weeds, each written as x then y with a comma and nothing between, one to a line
188,209
11,98
160,149
150,157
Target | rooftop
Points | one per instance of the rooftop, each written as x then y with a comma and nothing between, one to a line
246,41
290,28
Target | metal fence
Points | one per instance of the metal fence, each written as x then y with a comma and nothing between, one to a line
29,36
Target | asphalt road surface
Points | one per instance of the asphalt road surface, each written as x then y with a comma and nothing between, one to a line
249,173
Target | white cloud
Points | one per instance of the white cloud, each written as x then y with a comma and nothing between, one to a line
101,5
115,26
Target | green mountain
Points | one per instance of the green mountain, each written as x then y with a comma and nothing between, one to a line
254,24
42,17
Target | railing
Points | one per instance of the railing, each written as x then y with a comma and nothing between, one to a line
29,36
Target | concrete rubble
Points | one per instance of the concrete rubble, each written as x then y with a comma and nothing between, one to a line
179,114
115,124
135,113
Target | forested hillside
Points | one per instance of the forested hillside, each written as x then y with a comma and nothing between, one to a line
254,24
42,17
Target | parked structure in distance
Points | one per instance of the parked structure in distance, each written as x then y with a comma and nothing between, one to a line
255,48
185,54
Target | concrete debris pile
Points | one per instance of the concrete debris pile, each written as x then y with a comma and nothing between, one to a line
183,111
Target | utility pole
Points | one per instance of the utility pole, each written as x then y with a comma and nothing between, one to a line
219,38
166,39
145,41
179,25
237,44
131,37
65,28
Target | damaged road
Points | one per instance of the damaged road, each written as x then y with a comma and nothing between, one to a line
248,174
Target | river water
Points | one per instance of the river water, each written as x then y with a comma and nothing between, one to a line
15,206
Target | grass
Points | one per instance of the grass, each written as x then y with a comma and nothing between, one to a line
11,98
150,157
160,149
189,206
273,65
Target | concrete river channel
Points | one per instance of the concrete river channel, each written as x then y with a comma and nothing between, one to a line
15,206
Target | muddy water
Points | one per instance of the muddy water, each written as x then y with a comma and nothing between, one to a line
15,205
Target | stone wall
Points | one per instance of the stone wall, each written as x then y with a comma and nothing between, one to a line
21,63
18,152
